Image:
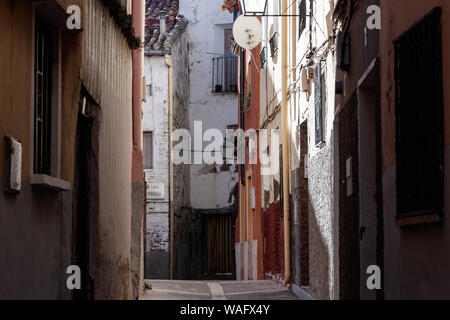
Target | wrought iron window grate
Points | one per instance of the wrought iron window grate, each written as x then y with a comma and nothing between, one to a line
224,76
419,118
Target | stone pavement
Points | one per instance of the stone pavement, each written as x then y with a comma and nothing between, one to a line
216,290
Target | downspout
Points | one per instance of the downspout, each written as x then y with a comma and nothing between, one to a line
171,217
286,144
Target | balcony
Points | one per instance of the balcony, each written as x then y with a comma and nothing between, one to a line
224,75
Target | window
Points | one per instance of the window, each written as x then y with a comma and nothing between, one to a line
419,114
319,103
225,68
273,44
231,144
228,42
148,150
263,57
45,104
302,17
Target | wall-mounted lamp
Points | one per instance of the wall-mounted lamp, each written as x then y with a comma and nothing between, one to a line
259,8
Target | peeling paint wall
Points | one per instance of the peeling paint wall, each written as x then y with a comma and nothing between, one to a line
211,187
156,120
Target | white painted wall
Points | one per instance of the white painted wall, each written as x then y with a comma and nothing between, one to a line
206,35
320,163
155,119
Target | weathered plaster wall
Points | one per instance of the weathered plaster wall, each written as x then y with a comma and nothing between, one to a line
213,185
416,258
181,95
320,157
156,120
107,62
36,225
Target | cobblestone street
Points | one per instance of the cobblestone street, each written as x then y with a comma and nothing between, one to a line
216,290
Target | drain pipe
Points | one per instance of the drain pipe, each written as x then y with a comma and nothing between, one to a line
168,62
286,144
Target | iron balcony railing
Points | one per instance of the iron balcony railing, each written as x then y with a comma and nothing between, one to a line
224,76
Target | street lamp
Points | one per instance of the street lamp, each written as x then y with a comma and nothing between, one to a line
254,7
259,8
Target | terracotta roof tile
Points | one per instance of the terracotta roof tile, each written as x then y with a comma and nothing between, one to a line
175,23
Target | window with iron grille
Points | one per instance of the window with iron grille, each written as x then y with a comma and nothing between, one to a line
419,118
148,150
225,69
302,17
43,97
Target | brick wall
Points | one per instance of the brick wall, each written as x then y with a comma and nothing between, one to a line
274,239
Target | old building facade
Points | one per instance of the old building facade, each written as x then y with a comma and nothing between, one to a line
350,144
69,106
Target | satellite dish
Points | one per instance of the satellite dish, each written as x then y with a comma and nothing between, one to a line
247,32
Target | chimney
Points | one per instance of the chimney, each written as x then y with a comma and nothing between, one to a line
162,22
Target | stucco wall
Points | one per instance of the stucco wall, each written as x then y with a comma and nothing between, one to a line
36,225
416,258
206,25
156,120
108,78
320,156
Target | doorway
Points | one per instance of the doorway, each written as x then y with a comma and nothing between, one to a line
218,240
370,175
85,198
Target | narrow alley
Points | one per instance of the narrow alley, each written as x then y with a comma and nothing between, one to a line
224,150
216,290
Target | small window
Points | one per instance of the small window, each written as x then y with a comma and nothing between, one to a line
263,57
274,45
302,17
148,150
419,113
228,41
319,103
43,97
231,143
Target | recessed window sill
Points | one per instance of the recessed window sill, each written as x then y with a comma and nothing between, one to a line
48,182
418,220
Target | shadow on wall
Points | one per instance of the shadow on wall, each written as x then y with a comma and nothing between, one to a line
319,262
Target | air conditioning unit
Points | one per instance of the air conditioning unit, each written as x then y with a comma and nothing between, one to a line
13,165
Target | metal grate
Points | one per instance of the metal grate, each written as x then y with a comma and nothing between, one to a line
225,70
419,117
42,97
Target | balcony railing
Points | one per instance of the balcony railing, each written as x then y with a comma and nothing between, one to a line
224,75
